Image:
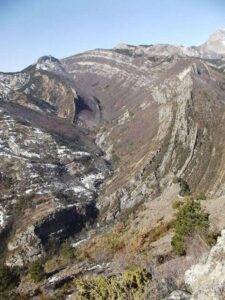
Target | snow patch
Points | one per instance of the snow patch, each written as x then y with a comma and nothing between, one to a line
3,216
76,244
89,181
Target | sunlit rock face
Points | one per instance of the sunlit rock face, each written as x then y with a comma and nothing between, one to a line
207,279
49,63
41,87
215,45
152,99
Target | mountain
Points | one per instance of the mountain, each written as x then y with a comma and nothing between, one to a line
215,44
152,108
97,148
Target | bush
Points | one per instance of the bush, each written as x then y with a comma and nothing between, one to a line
67,252
37,272
177,204
115,159
103,247
136,279
175,180
201,196
9,279
129,285
114,243
7,182
190,219
184,187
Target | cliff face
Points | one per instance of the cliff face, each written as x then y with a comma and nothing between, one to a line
42,89
161,116
215,46
206,279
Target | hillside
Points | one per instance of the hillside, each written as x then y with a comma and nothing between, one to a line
98,153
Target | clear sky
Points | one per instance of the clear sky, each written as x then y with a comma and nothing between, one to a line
32,28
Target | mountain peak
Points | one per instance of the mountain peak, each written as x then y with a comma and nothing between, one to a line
218,35
49,63
215,44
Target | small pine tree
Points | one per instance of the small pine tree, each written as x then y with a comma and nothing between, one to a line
67,252
184,187
190,219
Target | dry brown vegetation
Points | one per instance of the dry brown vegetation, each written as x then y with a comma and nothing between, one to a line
131,284
123,244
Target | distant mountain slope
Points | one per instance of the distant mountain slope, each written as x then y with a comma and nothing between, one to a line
162,113
87,140
215,44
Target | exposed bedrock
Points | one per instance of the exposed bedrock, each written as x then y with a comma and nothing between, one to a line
48,233
168,125
65,223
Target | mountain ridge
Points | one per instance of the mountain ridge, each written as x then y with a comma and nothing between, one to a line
97,146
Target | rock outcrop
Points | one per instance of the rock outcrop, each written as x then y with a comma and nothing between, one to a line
206,280
215,46
50,174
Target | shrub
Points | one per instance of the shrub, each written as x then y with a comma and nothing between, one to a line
142,241
104,246
136,279
177,204
115,159
201,196
211,238
129,285
114,243
184,187
7,182
190,219
37,272
175,180
67,252
9,279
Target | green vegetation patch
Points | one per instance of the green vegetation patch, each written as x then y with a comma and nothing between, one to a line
67,252
130,284
184,187
37,272
190,220
9,279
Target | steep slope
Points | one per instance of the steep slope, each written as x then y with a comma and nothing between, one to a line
158,116
41,88
206,279
161,117
50,170
100,137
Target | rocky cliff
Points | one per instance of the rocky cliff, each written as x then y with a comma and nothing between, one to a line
157,112
206,279
102,137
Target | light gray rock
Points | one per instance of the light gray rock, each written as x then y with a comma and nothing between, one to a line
178,295
207,279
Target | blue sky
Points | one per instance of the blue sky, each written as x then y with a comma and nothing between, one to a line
32,28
